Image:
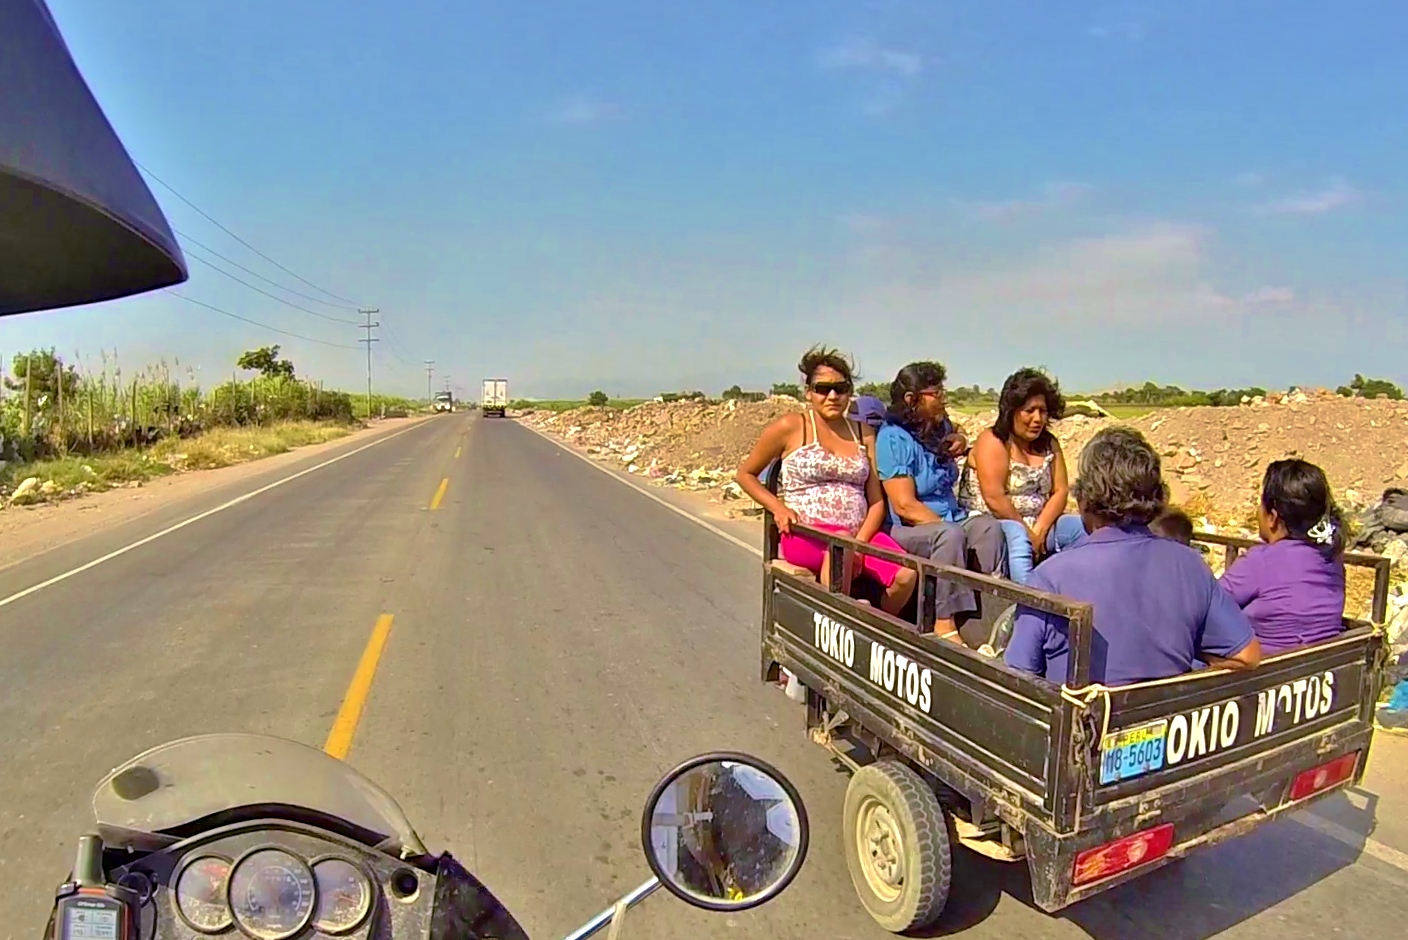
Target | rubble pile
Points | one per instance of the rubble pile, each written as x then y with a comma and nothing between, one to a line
688,444
1214,458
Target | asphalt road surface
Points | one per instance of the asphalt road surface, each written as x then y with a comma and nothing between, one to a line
557,641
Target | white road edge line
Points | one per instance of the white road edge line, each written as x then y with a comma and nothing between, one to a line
1307,818
1370,847
628,482
36,588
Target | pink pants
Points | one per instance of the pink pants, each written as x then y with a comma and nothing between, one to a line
808,553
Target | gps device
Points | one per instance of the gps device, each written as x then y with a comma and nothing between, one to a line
87,907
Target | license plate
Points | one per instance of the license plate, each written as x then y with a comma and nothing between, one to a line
1133,752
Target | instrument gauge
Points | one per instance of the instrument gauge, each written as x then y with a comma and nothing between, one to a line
271,894
200,894
344,896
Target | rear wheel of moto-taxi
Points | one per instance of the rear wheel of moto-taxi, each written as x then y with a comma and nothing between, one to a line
897,845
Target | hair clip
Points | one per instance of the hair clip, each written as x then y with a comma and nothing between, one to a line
1323,531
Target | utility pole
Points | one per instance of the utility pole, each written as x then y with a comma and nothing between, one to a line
429,373
369,339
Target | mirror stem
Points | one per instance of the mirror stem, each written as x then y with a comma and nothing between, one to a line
601,921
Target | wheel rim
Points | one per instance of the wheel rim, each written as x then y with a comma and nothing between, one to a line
880,848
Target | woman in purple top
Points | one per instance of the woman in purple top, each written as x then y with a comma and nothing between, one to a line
1292,588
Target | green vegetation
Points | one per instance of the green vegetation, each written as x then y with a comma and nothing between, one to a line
1360,387
75,429
597,399
1126,403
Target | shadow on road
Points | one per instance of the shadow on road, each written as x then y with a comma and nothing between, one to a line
1194,899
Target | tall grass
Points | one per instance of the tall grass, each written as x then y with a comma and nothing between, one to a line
88,425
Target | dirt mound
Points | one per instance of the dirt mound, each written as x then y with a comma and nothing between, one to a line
1214,458
687,443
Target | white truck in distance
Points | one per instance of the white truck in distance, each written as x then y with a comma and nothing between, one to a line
444,402
495,401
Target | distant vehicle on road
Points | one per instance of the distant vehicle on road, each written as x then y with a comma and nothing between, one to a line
444,401
495,400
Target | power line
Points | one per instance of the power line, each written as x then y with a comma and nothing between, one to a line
317,300
264,326
222,228
258,290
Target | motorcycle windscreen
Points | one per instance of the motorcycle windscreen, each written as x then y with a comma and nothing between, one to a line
78,224
154,798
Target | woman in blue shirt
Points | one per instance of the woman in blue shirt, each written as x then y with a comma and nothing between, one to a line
915,453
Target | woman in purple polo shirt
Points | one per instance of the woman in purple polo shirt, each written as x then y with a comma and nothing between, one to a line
1292,588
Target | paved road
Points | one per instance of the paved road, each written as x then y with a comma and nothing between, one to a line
558,641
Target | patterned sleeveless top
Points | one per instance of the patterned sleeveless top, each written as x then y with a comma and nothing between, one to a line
823,488
1028,487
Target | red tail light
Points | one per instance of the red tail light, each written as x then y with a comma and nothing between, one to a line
1121,855
1325,776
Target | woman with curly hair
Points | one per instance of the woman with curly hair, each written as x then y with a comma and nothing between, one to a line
1158,611
916,451
1017,472
1292,587
827,479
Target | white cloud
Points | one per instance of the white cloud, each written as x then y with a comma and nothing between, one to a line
869,55
581,110
1148,276
1056,195
1270,296
1336,194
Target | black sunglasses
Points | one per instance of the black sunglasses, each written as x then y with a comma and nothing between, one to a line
826,388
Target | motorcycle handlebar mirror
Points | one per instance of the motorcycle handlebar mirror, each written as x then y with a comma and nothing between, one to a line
725,832
722,831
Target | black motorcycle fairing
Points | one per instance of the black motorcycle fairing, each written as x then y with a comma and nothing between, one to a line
465,909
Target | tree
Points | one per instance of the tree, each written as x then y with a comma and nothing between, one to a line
48,368
1361,387
266,361
597,398
879,390
733,391
787,389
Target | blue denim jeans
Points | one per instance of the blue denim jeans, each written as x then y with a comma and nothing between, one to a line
1063,534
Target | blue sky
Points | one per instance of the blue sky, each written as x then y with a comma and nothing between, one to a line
643,196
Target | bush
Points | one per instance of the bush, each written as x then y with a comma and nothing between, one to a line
597,399
1361,387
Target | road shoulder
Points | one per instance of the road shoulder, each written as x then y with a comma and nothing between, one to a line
27,531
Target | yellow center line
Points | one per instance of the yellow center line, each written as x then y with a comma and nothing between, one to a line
339,740
440,493
457,452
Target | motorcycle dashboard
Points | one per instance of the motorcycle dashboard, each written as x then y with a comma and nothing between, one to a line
278,881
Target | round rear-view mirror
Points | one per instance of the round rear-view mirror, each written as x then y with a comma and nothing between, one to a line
725,832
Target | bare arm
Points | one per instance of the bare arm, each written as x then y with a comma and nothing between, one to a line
905,501
1248,658
1060,492
874,492
771,445
990,463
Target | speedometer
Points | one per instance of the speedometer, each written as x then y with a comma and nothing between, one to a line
200,893
344,896
271,894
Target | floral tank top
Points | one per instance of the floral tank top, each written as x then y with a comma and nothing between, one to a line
823,488
1028,487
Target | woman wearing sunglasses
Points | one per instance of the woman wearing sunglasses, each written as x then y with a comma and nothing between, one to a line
828,479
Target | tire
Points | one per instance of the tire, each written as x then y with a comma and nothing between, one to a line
892,814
